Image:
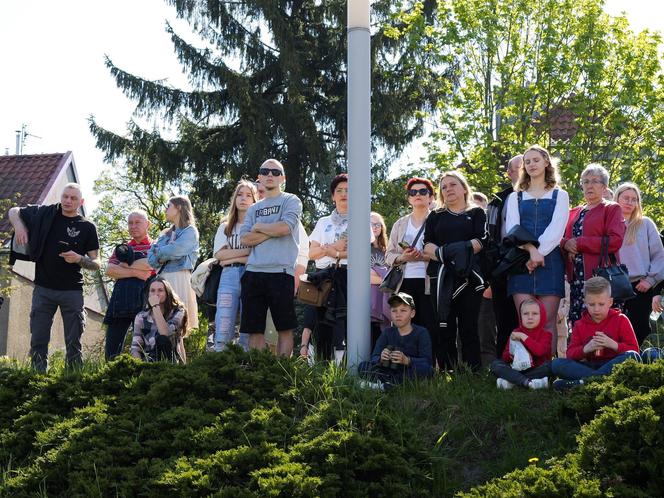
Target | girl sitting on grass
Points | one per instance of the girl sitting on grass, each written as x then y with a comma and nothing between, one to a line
159,329
537,341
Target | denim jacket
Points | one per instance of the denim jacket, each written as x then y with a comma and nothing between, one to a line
178,253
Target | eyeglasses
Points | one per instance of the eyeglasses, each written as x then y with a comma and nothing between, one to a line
414,191
267,171
628,200
585,183
376,225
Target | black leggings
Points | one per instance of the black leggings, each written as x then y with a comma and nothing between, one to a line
504,309
638,311
462,320
503,370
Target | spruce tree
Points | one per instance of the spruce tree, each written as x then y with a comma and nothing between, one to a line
269,80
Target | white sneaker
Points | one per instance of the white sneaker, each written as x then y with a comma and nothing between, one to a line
503,384
542,383
365,384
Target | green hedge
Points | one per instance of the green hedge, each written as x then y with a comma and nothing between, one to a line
231,424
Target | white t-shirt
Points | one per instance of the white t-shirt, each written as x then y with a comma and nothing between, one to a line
326,232
232,242
414,269
553,233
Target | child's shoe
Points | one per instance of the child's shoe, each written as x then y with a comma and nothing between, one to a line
542,383
366,384
503,384
565,385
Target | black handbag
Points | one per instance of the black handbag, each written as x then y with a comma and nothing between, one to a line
616,274
394,276
392,280
209,295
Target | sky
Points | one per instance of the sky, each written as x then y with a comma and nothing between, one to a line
53,77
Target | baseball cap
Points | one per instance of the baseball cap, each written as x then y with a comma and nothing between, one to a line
401,297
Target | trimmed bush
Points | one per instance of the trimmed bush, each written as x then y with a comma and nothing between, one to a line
625,444
229,424
536,482
627,379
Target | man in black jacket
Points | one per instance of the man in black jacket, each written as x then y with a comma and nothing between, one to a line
503,305
61,243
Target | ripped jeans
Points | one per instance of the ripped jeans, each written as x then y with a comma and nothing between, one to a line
228,305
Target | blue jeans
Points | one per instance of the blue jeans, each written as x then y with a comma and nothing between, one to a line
228,305
576,370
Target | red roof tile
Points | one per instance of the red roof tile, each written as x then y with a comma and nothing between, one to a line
30,175
563,126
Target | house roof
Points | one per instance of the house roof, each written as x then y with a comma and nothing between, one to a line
31,176
563,124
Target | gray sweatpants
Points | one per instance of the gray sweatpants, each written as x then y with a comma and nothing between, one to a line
45,303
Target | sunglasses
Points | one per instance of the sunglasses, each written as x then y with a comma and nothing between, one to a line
414,191
267,171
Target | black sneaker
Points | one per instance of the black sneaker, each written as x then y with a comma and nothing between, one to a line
563,385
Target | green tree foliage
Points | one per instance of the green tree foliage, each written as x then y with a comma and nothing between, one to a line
525,63
121,192
268,79
5,237
389,197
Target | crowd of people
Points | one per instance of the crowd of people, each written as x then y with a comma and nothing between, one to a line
493,282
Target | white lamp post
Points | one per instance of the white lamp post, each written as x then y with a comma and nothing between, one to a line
359,173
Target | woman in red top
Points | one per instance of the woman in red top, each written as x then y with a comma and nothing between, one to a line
586,227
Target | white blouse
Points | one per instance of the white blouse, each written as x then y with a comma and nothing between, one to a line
552,235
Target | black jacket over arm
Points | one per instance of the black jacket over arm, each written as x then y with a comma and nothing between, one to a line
38,220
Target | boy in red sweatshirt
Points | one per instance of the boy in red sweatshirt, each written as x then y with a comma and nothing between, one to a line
537,340
602,338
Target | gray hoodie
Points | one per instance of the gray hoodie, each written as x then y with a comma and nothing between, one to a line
276,254
645,257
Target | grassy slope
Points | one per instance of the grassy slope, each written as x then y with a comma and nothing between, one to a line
454,431
475,431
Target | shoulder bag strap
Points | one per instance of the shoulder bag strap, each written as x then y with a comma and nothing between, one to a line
417,237
604,256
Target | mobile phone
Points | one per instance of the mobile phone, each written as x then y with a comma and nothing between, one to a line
63,246
404,245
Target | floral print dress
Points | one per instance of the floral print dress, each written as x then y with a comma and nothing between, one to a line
579,277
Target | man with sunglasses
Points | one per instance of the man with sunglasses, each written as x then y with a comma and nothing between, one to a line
271,229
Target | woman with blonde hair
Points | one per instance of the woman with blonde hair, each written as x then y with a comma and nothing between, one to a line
454,235
175,252
159,328
232,256
643,254
541,207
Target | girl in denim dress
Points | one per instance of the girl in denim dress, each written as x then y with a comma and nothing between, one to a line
540,207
